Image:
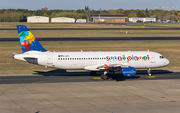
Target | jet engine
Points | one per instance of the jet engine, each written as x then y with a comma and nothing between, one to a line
126,71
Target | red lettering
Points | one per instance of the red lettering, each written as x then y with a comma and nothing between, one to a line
129,58
148,57
107,58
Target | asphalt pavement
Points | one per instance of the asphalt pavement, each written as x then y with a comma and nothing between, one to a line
53,77
97,39
82,93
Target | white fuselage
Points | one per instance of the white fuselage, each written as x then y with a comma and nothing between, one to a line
101,20
91,60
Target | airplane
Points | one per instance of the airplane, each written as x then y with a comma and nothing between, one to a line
123,63
101,20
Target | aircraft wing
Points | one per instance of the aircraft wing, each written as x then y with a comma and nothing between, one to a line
106,67
112,66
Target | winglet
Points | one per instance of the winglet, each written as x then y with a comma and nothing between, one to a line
106,66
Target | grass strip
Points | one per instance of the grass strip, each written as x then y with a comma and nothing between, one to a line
94,33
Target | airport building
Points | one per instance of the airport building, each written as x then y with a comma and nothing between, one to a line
62,19
37,19
107,17
81,21
142,19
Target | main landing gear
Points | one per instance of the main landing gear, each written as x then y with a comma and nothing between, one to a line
104,76
149,72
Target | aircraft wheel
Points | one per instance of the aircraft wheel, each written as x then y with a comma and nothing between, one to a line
104,77
149,72
93,73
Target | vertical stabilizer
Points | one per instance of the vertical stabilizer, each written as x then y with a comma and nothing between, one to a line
27,40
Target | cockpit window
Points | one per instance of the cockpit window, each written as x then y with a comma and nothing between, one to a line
161,57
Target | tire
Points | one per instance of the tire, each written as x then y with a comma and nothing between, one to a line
104,77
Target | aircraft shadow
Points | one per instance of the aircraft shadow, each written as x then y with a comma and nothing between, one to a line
59,72
142,72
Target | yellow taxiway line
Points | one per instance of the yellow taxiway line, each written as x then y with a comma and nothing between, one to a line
151,76
19,86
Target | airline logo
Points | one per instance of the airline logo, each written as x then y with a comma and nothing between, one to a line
129,58
27,39
63,55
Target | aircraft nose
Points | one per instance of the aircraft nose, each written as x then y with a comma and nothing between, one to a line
166,62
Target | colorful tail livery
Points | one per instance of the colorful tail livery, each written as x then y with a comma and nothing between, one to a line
27,40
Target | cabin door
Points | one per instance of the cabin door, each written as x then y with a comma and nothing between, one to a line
153,59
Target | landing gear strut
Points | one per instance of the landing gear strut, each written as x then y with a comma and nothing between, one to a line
149,72
104,76
93,73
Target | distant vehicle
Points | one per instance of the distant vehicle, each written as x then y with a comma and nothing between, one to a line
101,20
123,63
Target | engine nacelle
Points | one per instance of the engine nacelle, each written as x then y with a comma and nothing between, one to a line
126,71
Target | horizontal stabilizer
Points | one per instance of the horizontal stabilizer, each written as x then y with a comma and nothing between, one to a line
15,53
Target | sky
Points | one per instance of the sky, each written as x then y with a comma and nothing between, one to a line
93,4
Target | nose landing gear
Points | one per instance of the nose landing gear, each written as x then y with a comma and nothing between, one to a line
149,72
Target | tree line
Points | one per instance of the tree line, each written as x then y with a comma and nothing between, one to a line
20,15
